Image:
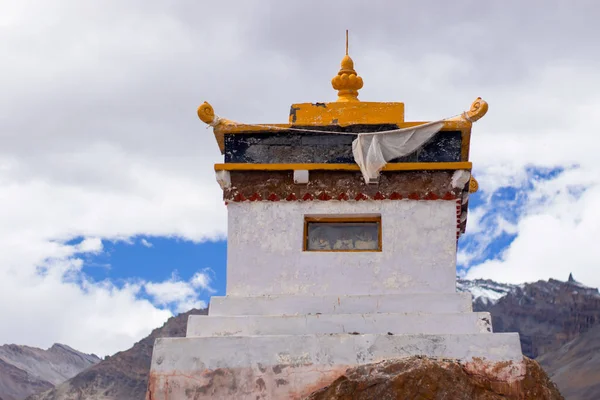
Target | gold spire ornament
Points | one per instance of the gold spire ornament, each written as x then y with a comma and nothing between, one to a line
347,82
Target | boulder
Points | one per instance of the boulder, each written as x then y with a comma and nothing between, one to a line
425,378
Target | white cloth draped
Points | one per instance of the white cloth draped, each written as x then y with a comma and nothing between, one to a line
373,150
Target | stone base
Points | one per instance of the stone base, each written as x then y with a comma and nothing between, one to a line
353,304
382,323
291,367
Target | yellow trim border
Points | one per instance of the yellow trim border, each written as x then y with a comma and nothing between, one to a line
419,166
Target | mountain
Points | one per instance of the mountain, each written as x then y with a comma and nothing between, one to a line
547,314
26,370
123,376
485,292
575,367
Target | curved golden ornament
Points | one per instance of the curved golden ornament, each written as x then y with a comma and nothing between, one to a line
473,185
478,110
206,113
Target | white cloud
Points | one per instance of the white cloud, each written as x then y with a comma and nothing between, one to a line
90,245
180,294
556,233
169,291
41,309
202,280
146,243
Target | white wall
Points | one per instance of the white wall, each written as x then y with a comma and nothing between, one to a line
265,254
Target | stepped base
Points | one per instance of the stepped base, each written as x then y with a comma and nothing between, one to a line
383,323
290,367
349,304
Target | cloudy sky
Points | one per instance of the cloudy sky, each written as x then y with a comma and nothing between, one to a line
110,216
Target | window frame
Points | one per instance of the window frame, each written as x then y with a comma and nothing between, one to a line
343,219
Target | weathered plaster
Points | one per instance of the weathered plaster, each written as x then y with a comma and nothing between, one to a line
265,250
290,367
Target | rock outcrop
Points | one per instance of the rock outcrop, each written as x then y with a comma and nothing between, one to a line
26,370
424,378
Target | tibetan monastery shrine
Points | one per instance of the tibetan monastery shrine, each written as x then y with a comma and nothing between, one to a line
342,233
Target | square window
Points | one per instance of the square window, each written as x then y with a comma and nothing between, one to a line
342,233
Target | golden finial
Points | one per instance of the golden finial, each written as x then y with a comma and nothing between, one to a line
347,82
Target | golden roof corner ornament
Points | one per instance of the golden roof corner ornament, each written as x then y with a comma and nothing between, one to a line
347,82
207,114
478,109
473,185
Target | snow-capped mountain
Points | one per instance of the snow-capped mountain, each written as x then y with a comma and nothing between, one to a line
485,292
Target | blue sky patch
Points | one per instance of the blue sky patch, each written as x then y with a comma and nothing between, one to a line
156,259
502,210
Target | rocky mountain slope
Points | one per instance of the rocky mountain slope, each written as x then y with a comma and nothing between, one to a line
547,314
575,367
123,376
26,370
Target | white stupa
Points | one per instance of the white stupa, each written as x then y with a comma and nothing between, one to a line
341,252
